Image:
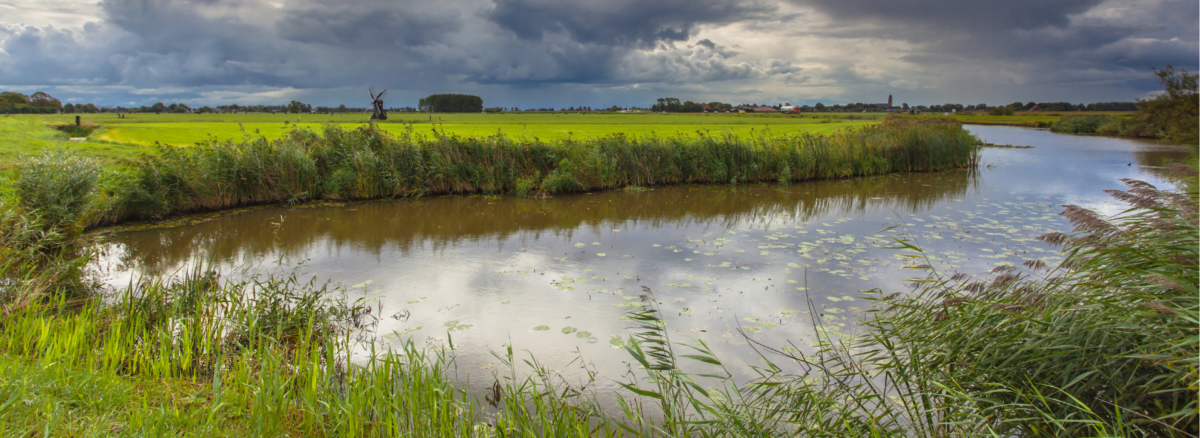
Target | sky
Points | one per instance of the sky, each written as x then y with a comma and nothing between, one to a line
598,53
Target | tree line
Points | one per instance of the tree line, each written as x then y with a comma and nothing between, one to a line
672,105
40,102
451,103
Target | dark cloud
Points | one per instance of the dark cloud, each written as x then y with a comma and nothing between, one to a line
366,23
936,16
631,23
536,52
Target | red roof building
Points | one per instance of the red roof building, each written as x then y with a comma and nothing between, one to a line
765,109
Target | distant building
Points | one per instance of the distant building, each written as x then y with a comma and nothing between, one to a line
885,106
765,109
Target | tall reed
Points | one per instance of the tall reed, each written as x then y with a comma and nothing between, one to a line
275,357
369,163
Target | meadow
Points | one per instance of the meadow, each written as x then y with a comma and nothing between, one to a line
1020,118
187,129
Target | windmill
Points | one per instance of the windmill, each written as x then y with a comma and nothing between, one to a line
377,105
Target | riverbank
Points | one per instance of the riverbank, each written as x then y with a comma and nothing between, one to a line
367,163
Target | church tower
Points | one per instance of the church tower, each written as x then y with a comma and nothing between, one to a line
889,101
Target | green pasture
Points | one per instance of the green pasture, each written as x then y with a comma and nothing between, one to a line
187,129
1038,119
30,134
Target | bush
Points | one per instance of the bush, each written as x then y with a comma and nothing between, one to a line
1173,114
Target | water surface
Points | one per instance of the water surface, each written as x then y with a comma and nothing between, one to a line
554,276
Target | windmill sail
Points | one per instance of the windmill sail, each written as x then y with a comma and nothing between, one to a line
377,105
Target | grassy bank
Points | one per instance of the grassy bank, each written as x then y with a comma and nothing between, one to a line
367,163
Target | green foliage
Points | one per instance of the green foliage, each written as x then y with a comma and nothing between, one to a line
451,103
1174,113
14,98
1000,111
1102,124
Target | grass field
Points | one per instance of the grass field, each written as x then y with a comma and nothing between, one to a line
187,129
1023,118
30,134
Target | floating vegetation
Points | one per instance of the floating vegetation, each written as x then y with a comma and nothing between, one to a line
1004,146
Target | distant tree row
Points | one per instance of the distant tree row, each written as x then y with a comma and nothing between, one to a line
672,105
37,103
451,103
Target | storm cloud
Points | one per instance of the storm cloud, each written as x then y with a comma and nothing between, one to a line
574,52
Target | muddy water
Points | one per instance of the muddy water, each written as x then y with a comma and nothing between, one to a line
554,276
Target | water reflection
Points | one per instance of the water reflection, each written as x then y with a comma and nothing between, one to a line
555,275
433,224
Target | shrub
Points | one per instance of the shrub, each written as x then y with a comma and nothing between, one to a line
1173,114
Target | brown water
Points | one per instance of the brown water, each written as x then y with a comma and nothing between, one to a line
554,276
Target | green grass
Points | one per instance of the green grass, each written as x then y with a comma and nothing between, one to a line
188,129
1023,118
31,134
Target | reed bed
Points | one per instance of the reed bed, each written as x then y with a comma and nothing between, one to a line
369,163
269,357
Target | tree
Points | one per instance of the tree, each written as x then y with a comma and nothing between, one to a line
69,109
158,107
43,100
819,106
14,98
297,107
1174,112
451,103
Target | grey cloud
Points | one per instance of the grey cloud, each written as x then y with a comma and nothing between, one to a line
630,23
366,23
538,51
940,15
